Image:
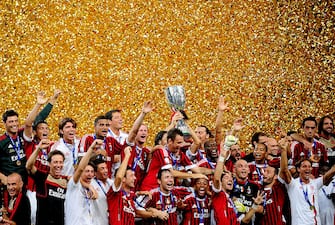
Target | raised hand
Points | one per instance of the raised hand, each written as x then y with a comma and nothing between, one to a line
41,99
148,107
44,144
238,124
223,106
283,143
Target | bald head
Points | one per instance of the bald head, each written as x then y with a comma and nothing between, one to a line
14,184
273,147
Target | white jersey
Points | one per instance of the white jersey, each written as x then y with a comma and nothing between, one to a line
100,207
78,207
327,210
121,138
301,211
71,155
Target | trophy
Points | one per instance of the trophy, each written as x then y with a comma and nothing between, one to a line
175,96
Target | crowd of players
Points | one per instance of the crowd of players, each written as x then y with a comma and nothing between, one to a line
189,177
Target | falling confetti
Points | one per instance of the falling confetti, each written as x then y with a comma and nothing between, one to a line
273,60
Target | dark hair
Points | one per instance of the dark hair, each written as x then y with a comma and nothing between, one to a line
55,152
224,173
109,114
160,172
322,121
35,125
173,133
310,118
266,147
63,122
291,132
255,137
207,131
9,113
298,164
159,136
98,159
90,163
101,117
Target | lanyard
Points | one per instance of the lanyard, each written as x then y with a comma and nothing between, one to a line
312,207
211,164
313,147
17,147
88,201
104,145
175,162
325,193
260,173
232,204
200,209
138,153
169,209
100,185
73,149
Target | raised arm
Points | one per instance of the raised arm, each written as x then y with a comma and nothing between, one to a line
123,167
298,137
184,175
147,107
196,141
84,161
219,169
177,116
222,106
284,171
28,124
30,165
44,113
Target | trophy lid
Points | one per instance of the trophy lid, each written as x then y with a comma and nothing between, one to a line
175,96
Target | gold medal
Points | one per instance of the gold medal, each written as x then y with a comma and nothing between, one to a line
312,207
18,162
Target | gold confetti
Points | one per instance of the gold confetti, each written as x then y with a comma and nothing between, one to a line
274,60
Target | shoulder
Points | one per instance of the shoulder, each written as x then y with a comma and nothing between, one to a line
146,150
3,137
57,144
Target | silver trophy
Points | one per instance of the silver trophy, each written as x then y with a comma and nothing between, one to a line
175,96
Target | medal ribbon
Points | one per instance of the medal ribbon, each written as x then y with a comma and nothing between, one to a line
211,164
175,163
312,207
73,149
138,153
16,147
163,205
259,172
88,201
200,210
101,187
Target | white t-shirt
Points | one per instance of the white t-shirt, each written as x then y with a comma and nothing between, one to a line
121,138
327,208
69,151
100,208
301,211
78,208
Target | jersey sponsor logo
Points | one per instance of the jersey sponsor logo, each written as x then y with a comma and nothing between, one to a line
206,214
58,193
15,158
